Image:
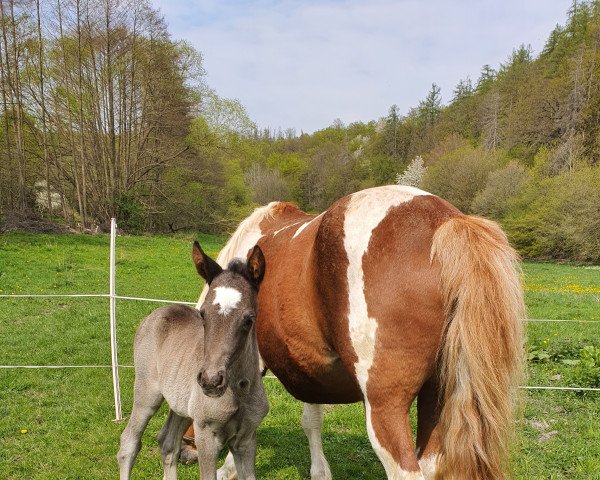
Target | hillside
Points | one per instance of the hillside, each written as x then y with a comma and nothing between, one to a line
85,113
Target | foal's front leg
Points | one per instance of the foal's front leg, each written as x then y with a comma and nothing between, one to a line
169,440
209,446
244,455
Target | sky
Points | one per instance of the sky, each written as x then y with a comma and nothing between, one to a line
303,64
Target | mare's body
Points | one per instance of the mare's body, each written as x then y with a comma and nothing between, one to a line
392,294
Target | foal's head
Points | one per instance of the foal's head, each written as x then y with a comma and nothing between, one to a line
228,314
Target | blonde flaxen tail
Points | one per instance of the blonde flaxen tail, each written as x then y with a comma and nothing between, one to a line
481,356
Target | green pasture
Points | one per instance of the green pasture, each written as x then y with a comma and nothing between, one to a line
58,424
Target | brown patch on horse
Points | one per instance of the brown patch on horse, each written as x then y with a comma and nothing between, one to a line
285,208
332,285
300,353
403,296
281,215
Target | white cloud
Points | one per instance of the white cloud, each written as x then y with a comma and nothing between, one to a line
303,63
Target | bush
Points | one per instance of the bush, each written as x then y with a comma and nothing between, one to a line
502,187
460,175
131,213
559,217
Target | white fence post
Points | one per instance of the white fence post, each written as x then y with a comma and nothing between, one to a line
113,323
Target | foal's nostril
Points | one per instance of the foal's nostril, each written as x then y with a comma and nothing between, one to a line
212,383
219,379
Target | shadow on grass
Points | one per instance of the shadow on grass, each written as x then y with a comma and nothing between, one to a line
284,453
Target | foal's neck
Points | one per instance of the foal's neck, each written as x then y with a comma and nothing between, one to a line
246,365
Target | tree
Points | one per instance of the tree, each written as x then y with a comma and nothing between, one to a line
225,115
266,184
460,175
490,120
413,175
392,121
429,109
502,187
463,89
486,78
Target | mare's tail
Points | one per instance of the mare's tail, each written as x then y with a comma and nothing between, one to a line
481,356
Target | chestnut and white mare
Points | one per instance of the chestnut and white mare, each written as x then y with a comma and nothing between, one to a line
392,295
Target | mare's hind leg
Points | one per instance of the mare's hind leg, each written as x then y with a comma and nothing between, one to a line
144,406
169,440
312,424
428,435
227,470
391,384
388,426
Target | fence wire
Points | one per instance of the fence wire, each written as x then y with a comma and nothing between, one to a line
158,300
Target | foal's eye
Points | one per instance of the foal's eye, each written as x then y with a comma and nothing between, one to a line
247,322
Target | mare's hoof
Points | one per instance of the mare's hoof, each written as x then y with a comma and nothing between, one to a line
188,455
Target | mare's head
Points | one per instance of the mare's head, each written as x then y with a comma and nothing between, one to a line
228,314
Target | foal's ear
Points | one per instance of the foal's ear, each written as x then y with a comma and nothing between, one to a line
256,265
206,266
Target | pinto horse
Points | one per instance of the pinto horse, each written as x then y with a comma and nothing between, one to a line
392,295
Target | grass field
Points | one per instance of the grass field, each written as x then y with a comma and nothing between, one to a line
57,424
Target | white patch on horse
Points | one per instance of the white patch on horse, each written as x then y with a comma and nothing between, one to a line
282,229
392,469
302,227
299,231
428,466
365,211
227,298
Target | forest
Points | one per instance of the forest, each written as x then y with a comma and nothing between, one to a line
103,114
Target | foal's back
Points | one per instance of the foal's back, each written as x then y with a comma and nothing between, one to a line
168,352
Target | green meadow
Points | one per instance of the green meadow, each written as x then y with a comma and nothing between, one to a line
58,424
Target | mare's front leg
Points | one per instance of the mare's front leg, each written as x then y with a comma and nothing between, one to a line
209,445
312,424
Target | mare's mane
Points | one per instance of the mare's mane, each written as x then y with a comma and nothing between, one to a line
249,227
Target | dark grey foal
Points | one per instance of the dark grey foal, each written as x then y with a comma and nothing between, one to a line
205,365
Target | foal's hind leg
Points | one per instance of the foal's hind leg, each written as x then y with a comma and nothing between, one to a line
312,424
169,440
144,406
428,435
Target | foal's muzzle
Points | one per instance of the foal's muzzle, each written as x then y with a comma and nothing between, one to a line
213,383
